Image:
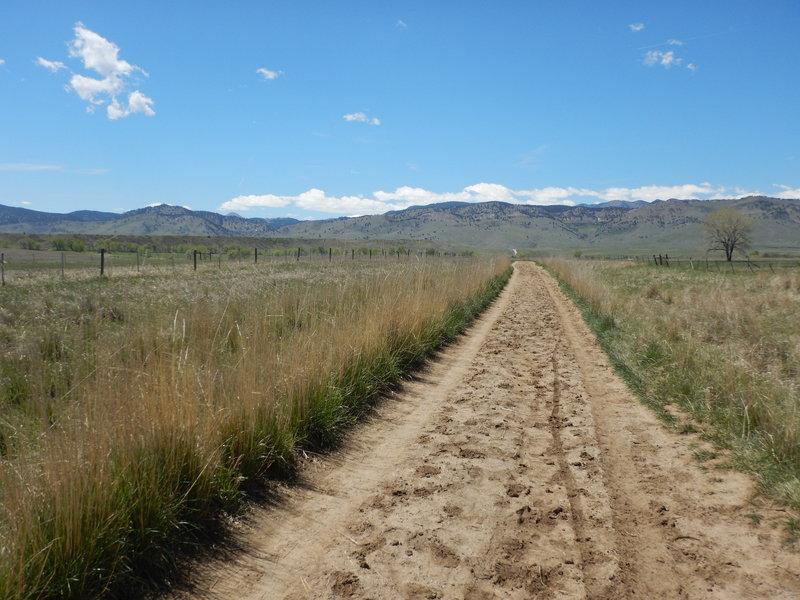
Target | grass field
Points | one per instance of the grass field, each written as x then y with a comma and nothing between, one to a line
721,345
137,410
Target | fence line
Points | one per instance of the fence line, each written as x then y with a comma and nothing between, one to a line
81,265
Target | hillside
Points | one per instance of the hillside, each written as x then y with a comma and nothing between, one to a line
615,227
153,220
664,226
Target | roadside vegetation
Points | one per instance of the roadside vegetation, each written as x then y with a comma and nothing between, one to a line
135,412
721,346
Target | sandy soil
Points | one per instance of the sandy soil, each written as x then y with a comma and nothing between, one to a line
517,465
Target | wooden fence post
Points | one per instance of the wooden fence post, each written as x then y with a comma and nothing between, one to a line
255,253
330,254
194,259
102,261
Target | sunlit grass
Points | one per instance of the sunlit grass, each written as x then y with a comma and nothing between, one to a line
723,346
136,409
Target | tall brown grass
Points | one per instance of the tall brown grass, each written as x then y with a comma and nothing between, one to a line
136,410
724,346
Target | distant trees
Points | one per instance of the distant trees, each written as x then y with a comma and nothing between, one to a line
728,230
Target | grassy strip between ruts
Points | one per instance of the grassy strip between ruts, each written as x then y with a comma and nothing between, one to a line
721,347
165,497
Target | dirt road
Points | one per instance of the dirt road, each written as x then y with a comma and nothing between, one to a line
516,466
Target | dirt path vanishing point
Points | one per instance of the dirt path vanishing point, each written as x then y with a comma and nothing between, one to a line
516,466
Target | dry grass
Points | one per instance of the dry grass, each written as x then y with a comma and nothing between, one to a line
724,346
136,409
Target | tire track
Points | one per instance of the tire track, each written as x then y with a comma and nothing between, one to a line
516,466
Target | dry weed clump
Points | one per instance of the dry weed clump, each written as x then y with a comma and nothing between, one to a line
725,347
135,410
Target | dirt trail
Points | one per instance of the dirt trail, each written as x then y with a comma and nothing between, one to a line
516,466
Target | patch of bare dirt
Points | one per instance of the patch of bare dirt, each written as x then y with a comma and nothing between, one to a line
516,466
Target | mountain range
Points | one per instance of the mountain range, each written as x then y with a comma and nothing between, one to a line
613,227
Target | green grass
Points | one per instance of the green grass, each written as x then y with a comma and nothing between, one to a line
724,347
138,412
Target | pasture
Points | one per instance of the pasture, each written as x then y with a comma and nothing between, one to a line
711,348
138,409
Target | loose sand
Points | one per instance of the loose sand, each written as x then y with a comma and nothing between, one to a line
516,465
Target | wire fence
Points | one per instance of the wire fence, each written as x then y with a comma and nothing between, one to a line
23,265
705,263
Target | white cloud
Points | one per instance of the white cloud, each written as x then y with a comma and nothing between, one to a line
254,201
401,24
102,56
788,193
2,61
361,117
96,91
98,54
665,59
675,42
650,193
267,74
137,103
381,201
636,26
52,65
28,167
691,67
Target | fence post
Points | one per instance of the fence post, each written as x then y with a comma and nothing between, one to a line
137,261
102,261
298,253
330,254
256,255
655,260
194,259
2,269
352,253
62,266
666,258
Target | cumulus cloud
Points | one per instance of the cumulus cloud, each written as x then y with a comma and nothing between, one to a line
137,103
650,193
361,117
51,65
787,192
636,26
101,57
2,61
268,74
665,59
381,201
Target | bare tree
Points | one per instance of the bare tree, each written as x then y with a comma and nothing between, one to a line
728,230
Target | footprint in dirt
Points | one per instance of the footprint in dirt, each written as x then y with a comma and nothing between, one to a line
344,584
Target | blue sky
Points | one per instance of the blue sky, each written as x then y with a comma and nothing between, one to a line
322,109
